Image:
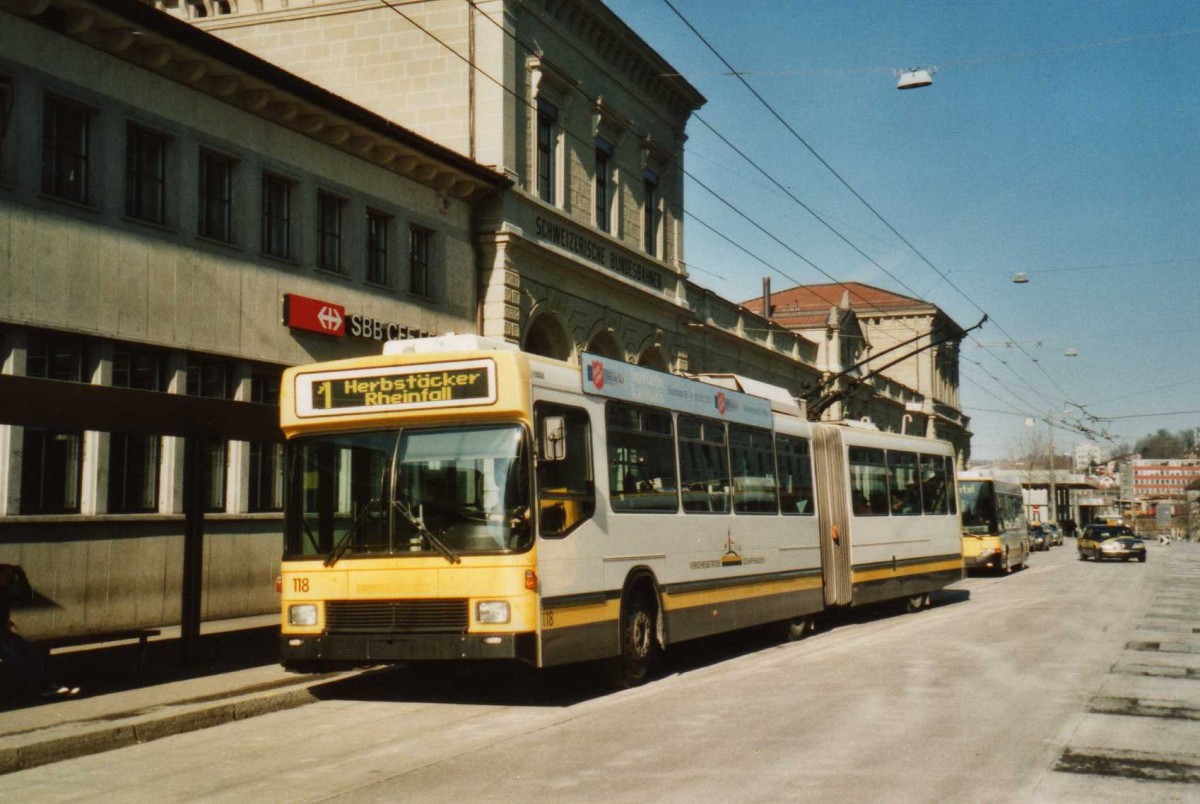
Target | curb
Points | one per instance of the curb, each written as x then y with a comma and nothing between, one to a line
97,741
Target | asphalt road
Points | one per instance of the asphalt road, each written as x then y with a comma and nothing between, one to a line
1066,681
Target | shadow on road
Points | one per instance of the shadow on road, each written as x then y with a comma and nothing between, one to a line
116,668
514,684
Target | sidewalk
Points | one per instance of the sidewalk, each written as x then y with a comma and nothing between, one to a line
235,675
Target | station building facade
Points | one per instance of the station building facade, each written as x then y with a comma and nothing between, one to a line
179,216
585,252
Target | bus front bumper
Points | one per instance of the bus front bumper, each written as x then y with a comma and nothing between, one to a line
982,561
382,648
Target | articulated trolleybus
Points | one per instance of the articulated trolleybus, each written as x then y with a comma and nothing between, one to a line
455,498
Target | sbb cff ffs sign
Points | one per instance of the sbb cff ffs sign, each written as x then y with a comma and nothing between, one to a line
314,315
327,318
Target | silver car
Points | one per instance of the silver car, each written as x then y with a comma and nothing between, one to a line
1053,534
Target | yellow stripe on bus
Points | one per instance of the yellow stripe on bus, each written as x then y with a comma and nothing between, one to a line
580,615
911,569
727,594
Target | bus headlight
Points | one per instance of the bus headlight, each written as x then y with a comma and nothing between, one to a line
302,614
492,611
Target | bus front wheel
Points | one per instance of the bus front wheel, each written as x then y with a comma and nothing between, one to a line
639,645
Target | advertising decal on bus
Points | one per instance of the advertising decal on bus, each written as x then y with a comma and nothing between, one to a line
616,379
435,385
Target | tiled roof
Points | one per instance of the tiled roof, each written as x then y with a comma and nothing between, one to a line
809,305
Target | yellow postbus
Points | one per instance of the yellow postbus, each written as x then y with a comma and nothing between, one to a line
455,498
994,530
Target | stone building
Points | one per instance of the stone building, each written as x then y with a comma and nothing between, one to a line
585,252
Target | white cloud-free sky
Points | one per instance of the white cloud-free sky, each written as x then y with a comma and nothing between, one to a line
1059,138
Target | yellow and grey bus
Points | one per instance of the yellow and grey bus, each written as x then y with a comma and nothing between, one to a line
994,530
455,498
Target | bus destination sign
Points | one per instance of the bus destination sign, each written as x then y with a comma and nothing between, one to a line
396,388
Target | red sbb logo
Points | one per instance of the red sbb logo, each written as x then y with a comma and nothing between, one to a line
314,315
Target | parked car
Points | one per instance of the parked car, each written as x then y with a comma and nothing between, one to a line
1110,541
1054,536
1037,536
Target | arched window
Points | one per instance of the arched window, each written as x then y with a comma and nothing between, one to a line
653,358
605,343
546,336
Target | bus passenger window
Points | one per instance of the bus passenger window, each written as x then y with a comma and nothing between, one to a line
868,482
754,487
703,466
566,490
905,499
795,475
935,484
641,459
950,496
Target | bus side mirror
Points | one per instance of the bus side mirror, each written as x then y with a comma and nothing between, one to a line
554,438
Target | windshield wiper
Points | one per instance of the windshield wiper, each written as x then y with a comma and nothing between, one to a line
344,542
434,542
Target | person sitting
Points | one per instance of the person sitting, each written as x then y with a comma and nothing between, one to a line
22,662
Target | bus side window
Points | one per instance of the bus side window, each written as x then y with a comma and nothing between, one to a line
795,475
566,491
641,459
935,485
868,482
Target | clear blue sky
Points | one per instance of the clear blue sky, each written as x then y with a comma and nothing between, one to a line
1059,138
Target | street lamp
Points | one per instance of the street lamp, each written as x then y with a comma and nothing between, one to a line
915,77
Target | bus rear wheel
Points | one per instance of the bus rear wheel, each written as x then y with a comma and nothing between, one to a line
795,629
639,645
916,603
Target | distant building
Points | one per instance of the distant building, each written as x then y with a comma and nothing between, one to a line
1087,455
1160,479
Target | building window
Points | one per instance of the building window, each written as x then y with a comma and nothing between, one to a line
65,150
145,175
210,378
266,460
216,197
276,216
51,470
377,247
54,357
418,259
604,153
650,213
329,232
133,458
547,118
51,459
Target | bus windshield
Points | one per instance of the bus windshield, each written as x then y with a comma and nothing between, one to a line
978,504
408,492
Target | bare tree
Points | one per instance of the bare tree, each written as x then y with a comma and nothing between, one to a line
1030,456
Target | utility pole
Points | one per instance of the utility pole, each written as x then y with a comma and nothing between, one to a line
1053,488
